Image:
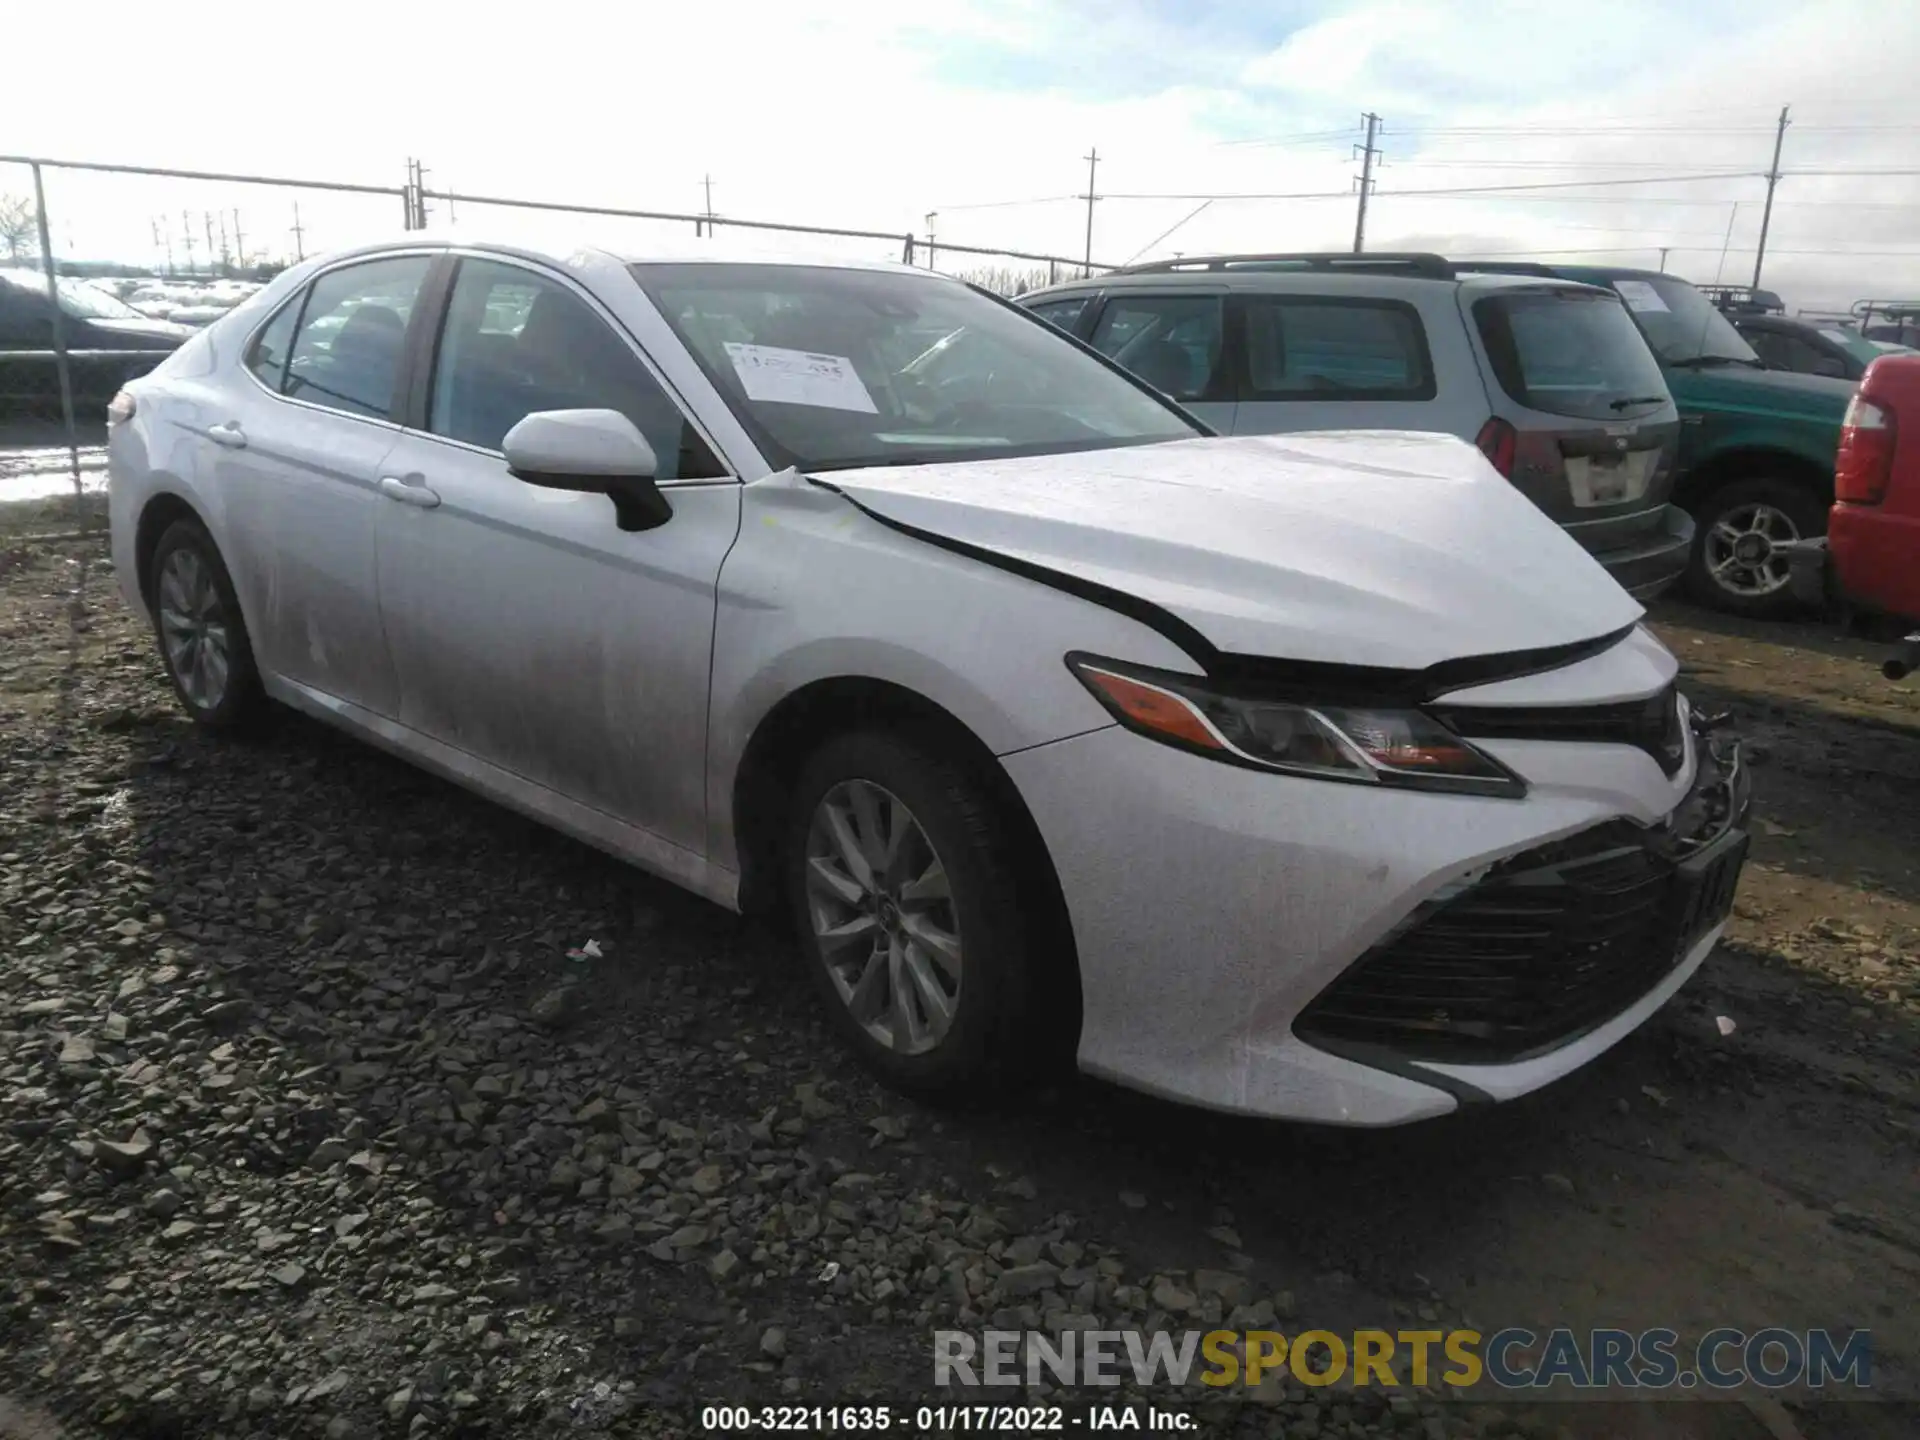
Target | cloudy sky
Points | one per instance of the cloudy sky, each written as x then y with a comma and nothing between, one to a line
1564,123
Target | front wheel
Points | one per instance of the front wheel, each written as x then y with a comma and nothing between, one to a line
1739,564
901,875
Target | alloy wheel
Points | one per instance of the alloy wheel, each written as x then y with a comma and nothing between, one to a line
1743,549
194,628
883,916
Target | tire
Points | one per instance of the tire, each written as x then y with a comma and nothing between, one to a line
200,631
1772,508
995,1036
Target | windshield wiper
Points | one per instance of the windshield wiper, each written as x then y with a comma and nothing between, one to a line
1636,400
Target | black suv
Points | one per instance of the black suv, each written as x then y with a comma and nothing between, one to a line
94,320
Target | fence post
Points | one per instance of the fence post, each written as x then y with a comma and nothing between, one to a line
59,345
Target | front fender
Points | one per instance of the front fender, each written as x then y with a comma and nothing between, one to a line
814,590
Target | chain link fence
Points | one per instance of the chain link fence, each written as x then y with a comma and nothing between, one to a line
186,246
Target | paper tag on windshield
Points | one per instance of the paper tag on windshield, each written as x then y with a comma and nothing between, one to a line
799,377
1640,295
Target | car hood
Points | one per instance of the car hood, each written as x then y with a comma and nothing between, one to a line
1780,391
1383,549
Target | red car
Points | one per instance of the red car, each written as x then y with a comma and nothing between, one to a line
1871,556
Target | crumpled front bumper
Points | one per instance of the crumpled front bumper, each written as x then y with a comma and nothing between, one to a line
1212,905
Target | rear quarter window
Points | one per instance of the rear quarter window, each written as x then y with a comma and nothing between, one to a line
1334,348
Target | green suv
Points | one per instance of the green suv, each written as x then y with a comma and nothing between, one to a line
1756,445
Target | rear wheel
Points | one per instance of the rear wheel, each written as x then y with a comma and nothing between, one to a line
1738,562
900,872
203,639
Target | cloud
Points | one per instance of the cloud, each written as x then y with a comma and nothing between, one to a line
869,114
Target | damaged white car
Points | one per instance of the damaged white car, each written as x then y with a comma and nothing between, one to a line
1318,776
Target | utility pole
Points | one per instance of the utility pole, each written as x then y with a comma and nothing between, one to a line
163,241
1773,179
706,182
1093,165
239,242
1663,258
932,215
213,266
226,255
299,235
186,234
1367,153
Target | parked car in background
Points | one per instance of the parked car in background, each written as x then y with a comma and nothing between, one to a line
1317,776
94,320
1551,380
1894,322
1756,445
1870,557
1783,343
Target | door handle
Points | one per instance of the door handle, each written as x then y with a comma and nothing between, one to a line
228,435
408,494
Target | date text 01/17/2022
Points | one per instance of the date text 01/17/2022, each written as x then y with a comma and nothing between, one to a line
944,1419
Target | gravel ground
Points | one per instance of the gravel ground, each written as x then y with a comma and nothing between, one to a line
314,1122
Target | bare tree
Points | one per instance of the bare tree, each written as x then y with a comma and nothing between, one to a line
19,226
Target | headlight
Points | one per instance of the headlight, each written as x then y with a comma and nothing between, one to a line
1360,744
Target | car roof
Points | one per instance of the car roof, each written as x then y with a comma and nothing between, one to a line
701,251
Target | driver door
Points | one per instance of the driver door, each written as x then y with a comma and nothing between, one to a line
527,630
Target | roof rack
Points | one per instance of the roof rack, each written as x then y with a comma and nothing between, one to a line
1507,267
1744,299
1412,262
1891,309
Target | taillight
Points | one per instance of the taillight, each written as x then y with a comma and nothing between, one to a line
1497,440
1864,464
120,409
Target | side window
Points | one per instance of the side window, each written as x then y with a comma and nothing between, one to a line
1170,341
1063,313
346,354
1301,348
516,342
1769,346
267,356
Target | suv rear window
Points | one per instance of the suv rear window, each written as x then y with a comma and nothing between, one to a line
1569,352
1314,348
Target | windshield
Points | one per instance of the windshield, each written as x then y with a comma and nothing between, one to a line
1570,352
1681,324
831,369
90,302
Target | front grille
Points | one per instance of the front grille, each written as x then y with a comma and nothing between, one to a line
1653,725
1549,944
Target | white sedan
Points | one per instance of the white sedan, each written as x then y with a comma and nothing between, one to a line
1317,776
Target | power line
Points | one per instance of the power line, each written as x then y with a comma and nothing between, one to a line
1007,204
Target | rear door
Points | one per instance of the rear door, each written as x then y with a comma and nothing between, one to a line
297,443
1595,429
1176,342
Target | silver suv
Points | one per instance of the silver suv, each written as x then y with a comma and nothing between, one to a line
1551,379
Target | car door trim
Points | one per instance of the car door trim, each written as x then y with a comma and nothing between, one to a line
421,366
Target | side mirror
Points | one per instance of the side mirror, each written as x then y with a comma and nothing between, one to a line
595,452
1830,365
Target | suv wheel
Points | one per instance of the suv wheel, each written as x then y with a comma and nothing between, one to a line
902,881
1738,562
203,639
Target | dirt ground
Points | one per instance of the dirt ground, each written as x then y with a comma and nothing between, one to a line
1691,1178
